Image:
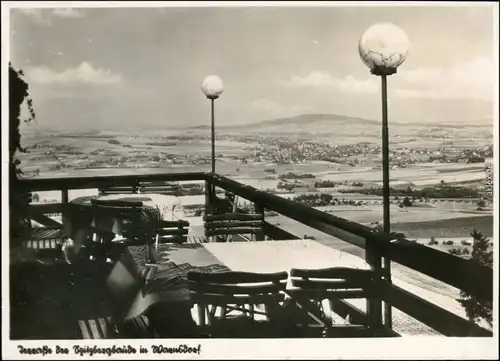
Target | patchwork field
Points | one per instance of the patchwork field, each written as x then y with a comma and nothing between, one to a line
65,153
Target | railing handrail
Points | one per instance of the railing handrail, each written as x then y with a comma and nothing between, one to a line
90,182
463,274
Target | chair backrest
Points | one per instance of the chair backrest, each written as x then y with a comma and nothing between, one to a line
233,223
341,282
221,206
104,211
171,231
133,189
159,187
224,288
116,207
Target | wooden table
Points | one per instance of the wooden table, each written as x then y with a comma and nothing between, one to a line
262,257
79,218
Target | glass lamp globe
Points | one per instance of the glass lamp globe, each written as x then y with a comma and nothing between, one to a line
383,47
212,86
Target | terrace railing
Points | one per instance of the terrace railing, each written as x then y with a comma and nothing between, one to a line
463,274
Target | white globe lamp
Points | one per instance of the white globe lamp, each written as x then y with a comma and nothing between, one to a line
212,87
383,48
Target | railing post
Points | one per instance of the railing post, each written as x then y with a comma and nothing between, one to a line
259,209
64,196
209,197
374,304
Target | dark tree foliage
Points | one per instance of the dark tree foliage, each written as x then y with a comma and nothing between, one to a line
19,200
477,309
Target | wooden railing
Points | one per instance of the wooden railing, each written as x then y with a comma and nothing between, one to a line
460,273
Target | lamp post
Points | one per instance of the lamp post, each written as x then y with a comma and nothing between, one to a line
384,47
212,87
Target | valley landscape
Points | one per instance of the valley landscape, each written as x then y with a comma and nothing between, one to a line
301,158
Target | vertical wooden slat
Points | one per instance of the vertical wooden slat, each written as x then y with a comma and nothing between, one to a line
84,330
211,314
94,329
374,303
208,197
252,311
201,314
64,196
103,327
260,235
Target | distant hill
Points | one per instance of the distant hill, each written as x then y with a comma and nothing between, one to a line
321,122
200,127
336,118
349,129
312,124
309,118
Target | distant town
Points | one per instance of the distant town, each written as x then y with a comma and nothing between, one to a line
279,150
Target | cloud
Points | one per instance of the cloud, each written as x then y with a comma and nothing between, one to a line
352,85
68,13
83,74
348,84
35,14
44,16
472,79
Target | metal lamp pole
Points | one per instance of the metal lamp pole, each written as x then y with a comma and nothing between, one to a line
383,73
383,48
212,87
212,103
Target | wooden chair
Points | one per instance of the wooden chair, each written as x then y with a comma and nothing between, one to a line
219,226
117,285
318,293
135,223
46,240
171,231
238,291
102,328
108,210
159,187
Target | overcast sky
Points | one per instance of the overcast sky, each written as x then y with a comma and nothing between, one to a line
142,67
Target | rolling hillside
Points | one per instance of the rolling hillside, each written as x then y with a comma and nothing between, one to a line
355,129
